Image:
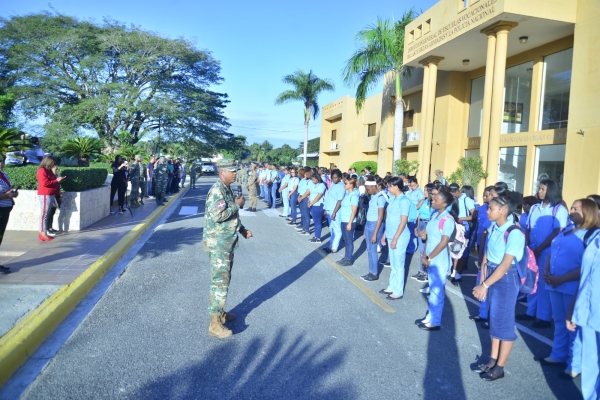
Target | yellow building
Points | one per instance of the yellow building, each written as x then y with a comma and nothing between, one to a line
514,81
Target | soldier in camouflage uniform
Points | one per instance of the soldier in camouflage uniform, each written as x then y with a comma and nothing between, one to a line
143,180
252,187
220,239
193,175
134,177
160,180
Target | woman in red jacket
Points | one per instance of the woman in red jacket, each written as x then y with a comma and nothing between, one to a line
48,190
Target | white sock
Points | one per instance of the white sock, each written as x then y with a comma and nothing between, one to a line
453,273
457,275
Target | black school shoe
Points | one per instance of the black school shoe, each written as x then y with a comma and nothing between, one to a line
369,277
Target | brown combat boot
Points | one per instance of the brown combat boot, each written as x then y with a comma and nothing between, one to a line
217,329
226,317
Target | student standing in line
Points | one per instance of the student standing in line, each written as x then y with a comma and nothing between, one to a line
398,236
374,226
284,190
315,203
333,202
417,197
466,209
274,179
293,194
303,193
500,283
528,202
584,314
596,199
424,209
546,221
483,226
436,258
347,217
561,275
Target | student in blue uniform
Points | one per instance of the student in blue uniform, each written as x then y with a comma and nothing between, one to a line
500,283
284,190
436,258
483,226
528,202
333,202
584,314
347,216
315,203
293,194
374,226
274,178
425,209
261,181
561,275
303,193
546,220
417,197
397,235
466,209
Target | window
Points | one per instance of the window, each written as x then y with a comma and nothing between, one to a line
371,130
411,37
476,108
408,118
549,164
511,168
334,135
462,4
419,30
556,90
517,98
427,26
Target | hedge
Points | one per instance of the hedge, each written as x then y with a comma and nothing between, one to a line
360,165
78,179
107,166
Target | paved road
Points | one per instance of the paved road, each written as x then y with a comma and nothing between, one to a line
304,330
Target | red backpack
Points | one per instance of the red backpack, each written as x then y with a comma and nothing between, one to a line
527,267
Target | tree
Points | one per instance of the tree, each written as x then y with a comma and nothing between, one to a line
406,167
110,78
314,145
380,50
236,148
469,172
306,89
258,152
10,140
83,148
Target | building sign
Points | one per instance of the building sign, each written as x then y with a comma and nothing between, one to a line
557,137
460,24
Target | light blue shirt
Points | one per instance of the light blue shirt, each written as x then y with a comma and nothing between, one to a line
293,182
542,223
286,179
397,207
349,200
416,196
587,306
303,186
465,204
314,191
376,202
274,175
434,236
496,248
425,210
335,193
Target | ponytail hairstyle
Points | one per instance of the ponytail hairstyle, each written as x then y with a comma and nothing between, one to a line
501,190
450,201
468,190
505,201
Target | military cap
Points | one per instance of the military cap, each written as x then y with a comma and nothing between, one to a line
162,159
227,164
138,156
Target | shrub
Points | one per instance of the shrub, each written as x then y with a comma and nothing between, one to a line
469,172
104,165
78,179
82,148
360,165
403,166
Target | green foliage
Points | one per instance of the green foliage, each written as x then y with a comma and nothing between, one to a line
314,146
10,141
360,165
103,165
469,172
258,152
7,103
83,148
283,155
406,167
111,77
307,87
236,148
312,163
78,179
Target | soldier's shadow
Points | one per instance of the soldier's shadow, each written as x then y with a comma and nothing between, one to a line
270,290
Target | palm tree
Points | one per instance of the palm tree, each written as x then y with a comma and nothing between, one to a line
380,50
83,148
306,89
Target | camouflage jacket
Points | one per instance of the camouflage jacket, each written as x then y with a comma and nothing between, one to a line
143,172
193,169
134,171
160,173
252,178
221,219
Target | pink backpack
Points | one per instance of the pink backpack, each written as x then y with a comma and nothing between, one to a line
527,267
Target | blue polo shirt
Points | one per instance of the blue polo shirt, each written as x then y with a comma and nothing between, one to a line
376,202
397,207
314,191
465,204
335,193
542,223
349,200
496,248
587,306
303,186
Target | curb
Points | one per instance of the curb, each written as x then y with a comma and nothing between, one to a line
23,339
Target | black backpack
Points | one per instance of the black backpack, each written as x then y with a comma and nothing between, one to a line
361,214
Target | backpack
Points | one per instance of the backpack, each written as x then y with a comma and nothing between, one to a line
527,267
458,241
412,210
361,213
588,235
554,211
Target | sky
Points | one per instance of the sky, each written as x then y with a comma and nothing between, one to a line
257,42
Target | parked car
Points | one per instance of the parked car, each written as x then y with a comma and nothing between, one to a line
208,168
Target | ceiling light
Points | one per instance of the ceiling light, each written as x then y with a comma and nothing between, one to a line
523,39
465,62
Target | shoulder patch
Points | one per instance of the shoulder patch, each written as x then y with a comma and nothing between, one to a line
221,205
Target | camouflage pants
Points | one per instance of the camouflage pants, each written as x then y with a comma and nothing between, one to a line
221,263
253,197
159,192
144,186
135,190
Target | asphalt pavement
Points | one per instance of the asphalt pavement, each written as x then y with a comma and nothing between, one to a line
305,329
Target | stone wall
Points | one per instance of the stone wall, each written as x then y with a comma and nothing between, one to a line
79,210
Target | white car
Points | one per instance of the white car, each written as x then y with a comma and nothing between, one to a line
208,168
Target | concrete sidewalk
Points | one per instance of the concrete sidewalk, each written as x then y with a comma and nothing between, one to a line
38,269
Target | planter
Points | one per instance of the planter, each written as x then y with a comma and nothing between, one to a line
79,210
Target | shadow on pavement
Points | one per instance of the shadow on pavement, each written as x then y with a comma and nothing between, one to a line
170,241
288,368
